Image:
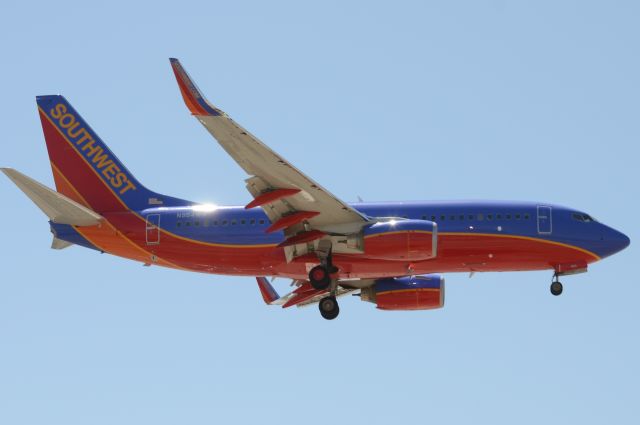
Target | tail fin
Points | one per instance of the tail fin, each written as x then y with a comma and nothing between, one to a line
84,169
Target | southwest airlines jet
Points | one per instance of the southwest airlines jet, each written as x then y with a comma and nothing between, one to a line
388,253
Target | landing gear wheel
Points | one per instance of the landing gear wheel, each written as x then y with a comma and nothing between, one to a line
329,308
319,277
556,288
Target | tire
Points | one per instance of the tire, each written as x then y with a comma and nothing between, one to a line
319,278
329,308
556,288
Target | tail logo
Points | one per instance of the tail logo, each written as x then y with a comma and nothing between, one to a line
91,149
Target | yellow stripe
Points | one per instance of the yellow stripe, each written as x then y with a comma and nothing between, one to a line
83,158
529,238
112,227
408,290
138,215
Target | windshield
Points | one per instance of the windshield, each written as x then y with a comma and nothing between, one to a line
585,218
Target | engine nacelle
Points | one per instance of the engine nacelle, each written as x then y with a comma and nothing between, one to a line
406,293
401,240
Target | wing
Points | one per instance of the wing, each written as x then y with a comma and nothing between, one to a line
294,203
302,296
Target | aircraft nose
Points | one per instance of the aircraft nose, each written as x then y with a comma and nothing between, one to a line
619,240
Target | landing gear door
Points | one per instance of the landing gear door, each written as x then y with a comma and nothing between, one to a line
153,229
545,224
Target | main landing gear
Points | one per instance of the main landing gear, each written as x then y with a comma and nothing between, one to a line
320,279
329,308
556,286
320,275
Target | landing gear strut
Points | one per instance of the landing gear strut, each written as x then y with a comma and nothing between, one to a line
556,286
320,279
329,308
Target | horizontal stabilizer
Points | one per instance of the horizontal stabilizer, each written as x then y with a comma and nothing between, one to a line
59,243
56,206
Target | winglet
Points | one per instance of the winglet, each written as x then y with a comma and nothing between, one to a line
193,98
269,294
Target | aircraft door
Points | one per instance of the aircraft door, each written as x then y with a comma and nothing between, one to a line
545,224
153,229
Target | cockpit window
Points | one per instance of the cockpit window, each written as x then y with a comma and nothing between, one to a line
585,218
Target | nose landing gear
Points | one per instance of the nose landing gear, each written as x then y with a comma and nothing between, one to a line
556,286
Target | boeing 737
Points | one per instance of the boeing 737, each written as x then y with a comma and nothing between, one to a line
392,254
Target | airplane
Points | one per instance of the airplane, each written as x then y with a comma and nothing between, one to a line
392,254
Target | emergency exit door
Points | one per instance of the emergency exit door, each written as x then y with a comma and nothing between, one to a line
545,224
153,229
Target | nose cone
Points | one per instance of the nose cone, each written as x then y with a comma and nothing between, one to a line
623,240
617,240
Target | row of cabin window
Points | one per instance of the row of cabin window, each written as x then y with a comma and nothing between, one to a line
207,223
478,217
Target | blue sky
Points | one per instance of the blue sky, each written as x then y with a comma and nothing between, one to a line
532,100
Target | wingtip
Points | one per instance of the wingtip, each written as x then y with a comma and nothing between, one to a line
193,98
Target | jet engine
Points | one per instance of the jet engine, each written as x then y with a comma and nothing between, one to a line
406,293
401,240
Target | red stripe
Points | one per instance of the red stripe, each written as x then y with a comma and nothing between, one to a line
270,197
77,171
291,219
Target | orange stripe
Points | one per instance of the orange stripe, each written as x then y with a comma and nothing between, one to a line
138,215
84,159
397,291
399,232
111,240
